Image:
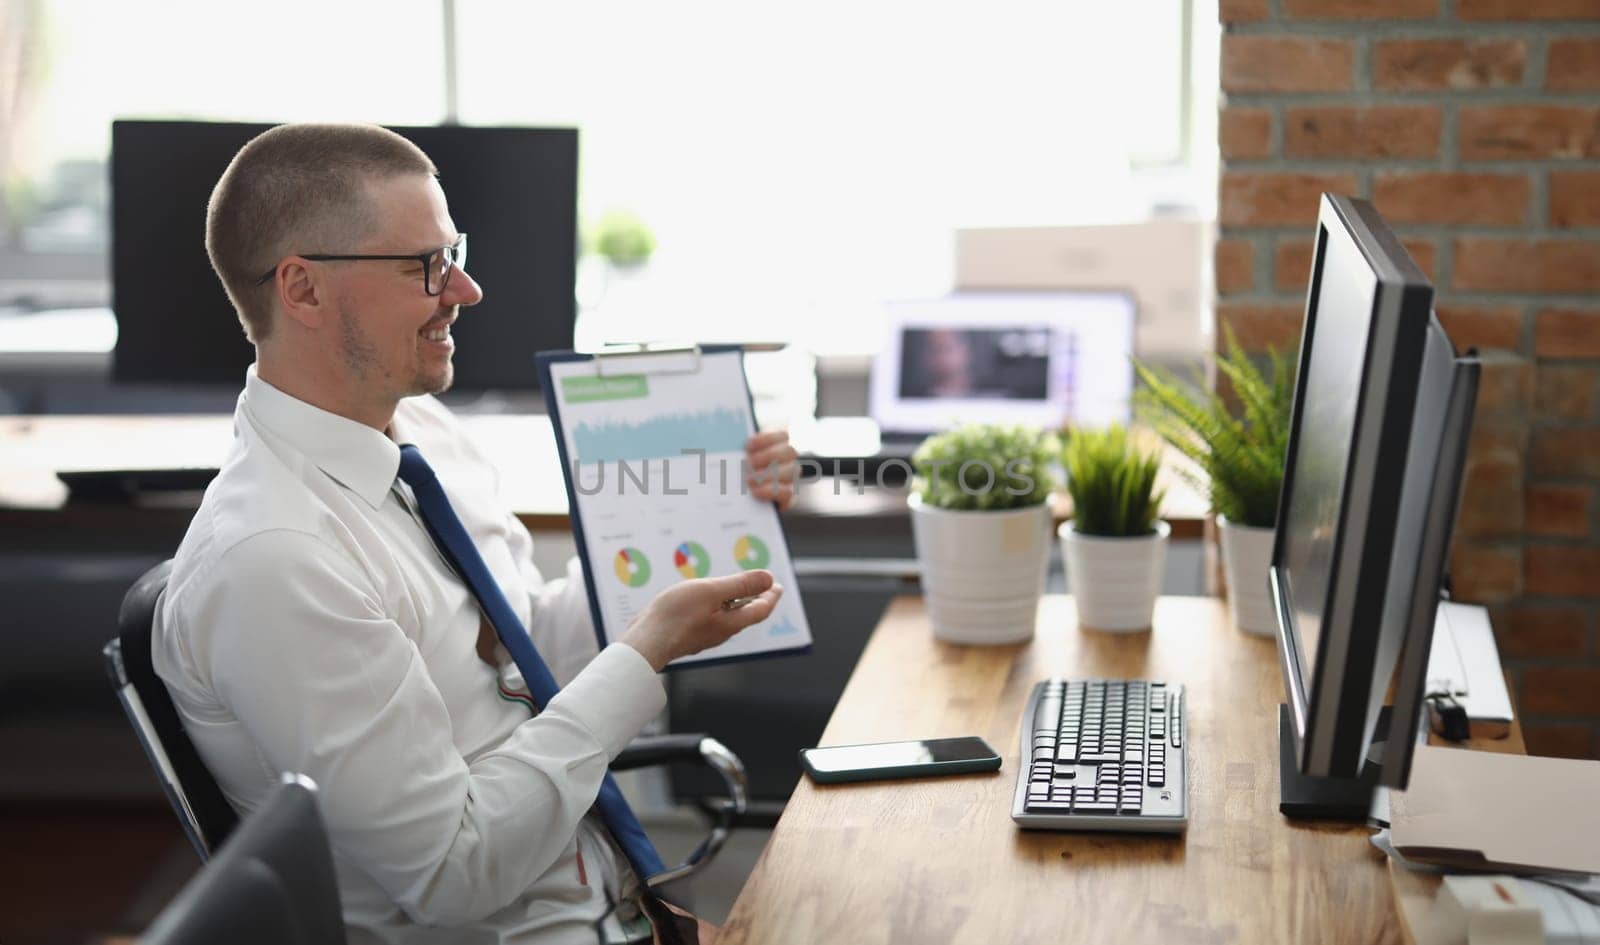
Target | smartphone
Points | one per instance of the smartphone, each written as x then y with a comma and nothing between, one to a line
916,759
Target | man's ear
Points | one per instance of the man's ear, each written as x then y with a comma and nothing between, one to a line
301,295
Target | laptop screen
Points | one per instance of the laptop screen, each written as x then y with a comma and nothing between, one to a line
1040,358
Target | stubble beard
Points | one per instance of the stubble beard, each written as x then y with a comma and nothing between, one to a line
361,357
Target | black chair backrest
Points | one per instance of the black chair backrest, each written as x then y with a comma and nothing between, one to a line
273,883
129,664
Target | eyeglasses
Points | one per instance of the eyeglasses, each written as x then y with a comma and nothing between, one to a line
436,265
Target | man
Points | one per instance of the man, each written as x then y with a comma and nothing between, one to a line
311,624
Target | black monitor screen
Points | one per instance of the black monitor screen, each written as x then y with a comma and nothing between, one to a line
513,189
1327,433
1367,314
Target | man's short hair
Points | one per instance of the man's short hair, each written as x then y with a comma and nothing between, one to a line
297,189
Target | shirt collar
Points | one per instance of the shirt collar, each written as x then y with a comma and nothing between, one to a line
364,460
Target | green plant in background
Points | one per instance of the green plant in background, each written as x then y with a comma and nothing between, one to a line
622,238
1241,457
987,467
1112,484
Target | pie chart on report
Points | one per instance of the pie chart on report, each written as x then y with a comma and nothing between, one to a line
691,560
751,552
632,567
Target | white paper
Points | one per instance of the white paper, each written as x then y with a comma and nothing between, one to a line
658,466
1465,662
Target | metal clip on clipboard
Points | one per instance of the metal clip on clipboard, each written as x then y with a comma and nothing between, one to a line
647,358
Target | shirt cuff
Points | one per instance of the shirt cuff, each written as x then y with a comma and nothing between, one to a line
627,692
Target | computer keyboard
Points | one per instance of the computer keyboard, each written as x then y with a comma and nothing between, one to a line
1103,754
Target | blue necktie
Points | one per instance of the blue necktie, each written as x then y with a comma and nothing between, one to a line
452,539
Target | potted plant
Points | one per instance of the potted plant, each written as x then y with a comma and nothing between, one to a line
981,522
622,239
1114,547
1240,461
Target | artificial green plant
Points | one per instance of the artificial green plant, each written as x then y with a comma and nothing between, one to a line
1240,457
985,467
1112,484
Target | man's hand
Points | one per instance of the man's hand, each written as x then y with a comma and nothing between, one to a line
774,464
688,617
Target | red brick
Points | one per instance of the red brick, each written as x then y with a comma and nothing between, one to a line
1558,511
1485,513
1396,131
1291,262
1291,265
1560,739
1561,690
1505,384
1472,326
1286,64
1244,133
1235,266
1530,630
1259,327
1361,9
1437,197
1273,199
1516,132
1526,10
1565,452
1565,393
1575,198
1507,265
1485,574
1424,253
1567,333
1242,11
1428,65
1493,436
1561,570
1573,64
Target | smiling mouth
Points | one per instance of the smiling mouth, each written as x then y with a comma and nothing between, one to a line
438,331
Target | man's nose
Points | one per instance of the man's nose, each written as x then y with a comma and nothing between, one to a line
462,289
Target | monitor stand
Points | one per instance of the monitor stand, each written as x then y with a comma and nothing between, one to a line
1304,797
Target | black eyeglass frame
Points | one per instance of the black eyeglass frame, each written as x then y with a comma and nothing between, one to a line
455,258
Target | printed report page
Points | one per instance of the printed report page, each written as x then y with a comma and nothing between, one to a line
659,476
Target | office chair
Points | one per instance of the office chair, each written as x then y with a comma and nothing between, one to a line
272,883
208,818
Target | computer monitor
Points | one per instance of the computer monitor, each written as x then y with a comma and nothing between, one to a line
1039,358
271,883
1381,414
513,189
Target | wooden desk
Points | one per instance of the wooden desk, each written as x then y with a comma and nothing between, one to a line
940,860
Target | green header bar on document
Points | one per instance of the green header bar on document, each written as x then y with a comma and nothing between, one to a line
583,390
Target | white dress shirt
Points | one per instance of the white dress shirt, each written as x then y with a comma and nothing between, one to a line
310,625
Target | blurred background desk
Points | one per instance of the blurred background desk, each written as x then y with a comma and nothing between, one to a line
941,860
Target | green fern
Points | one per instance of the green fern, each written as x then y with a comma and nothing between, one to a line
1112,484
985,467
1241,459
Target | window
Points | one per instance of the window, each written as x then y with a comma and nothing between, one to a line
795,163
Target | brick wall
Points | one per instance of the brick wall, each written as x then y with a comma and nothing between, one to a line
1474,126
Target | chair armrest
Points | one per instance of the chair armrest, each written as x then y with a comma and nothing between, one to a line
649,750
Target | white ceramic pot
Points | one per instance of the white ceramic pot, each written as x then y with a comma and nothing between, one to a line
1246,556
982,572
1115,581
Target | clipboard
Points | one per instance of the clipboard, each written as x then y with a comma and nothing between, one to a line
606,411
